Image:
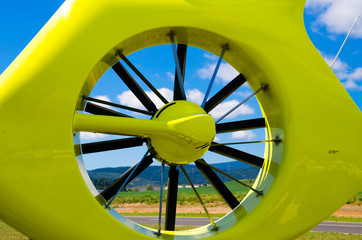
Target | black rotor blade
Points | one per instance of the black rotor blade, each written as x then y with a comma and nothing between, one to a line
99,110
240,125
117,105
143,78
216,182
112,189
224,92
112,145
134,87
181,53
171,202
238,155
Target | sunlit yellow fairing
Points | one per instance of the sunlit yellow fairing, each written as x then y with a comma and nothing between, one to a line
314,171
180,133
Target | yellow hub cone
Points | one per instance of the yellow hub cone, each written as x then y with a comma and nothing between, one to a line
196,131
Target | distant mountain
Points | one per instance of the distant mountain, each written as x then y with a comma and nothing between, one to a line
152,175
230,165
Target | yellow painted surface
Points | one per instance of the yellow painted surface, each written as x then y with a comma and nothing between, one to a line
314,171
179,135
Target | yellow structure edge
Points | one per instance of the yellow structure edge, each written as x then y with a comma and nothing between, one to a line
42,191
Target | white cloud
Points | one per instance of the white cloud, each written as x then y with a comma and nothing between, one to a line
216,139
170,76
166,93
129,99
348,77
84,136
195,96
206,72
104,98
225,74
356,75
244,94
337,16
318,3
352,79
224,107
210,56
247,135
338,67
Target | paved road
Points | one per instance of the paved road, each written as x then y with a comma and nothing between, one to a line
180,221
341,227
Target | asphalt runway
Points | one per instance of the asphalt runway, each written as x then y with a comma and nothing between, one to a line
180,221
340,227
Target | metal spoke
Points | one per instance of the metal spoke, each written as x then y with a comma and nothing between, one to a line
129,177
142,77
238,155
276,141
216,182
117,105
344,42
134,87
112,145
215,228
224,92
171,202
224,48
263,87
240,125
99,110
161,195
179,54
259,193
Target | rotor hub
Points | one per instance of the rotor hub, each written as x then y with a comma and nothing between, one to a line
192,131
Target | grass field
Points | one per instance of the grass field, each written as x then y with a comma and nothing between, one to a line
330,236
209,195
7,233
154,214
343,219
185,195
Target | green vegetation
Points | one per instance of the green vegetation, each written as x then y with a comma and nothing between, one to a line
185,195
101,183
151,176
155,214
7,233
343,219
177,228
326,235
357,200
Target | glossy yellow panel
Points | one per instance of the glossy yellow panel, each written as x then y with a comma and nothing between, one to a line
316,168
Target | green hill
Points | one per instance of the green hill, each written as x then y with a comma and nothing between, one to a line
151,176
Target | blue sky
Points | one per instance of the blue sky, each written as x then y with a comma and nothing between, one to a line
327,23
